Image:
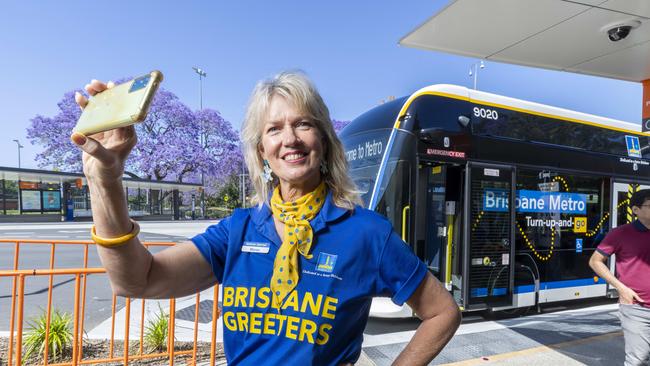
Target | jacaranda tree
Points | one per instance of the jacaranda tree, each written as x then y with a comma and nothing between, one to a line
169,145
339,125
53,133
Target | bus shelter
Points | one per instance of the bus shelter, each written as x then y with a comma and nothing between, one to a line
42,195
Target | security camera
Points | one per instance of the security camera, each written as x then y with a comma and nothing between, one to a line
619,31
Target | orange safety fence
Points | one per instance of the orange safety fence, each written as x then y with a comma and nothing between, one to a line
14,352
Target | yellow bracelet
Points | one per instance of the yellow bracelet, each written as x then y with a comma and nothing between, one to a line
115,242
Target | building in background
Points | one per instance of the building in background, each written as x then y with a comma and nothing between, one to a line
42,195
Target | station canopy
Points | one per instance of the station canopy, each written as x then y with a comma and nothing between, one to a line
553,34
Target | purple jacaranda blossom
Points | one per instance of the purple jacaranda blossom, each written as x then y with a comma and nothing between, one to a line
339,125
53,133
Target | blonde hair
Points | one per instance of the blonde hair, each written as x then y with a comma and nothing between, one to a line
296,88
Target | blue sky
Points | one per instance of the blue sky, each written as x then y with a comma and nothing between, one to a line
349,48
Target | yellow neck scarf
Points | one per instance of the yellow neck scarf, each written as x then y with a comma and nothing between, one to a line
298,237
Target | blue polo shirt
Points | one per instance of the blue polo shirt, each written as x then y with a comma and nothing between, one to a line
356,256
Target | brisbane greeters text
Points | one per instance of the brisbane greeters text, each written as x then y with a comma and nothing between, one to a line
321,308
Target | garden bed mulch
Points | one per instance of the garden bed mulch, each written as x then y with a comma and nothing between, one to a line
99,349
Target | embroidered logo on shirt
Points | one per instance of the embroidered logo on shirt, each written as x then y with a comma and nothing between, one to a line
326,262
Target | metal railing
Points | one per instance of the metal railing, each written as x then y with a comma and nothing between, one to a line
14,354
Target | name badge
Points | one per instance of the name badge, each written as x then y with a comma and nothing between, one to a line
255,247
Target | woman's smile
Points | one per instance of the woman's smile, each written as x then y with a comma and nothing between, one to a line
295,157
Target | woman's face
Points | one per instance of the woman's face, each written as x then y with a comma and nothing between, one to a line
293,146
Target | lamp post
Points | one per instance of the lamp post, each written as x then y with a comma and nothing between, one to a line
242,181
201,74
473,71
19,147
202,137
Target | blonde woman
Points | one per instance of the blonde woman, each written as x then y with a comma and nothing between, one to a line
298,270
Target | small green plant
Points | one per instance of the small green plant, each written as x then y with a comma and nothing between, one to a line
59,339
156,331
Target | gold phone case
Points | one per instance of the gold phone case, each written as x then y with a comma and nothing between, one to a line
120,106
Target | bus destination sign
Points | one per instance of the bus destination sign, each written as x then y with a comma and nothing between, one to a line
536,201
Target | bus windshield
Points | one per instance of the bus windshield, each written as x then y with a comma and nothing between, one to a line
364,153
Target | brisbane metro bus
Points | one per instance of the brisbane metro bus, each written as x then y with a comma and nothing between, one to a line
504,200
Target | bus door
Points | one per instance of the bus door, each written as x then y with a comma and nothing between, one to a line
442,220
488,273
622,193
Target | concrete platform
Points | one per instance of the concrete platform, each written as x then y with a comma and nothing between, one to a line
588,336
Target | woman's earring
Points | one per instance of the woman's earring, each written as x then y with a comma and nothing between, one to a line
323,167
267,172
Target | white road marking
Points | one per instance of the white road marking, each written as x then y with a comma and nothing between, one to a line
387,338
402,337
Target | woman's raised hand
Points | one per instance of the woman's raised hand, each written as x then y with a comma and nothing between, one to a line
104,153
